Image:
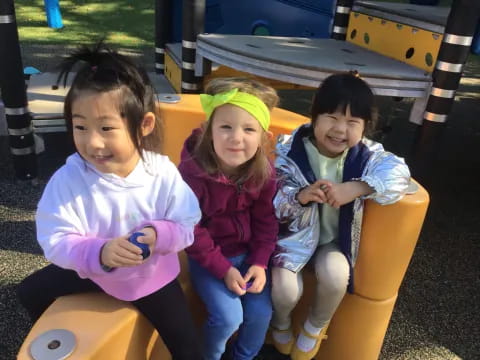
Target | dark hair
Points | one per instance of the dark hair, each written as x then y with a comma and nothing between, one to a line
102,69
339,91
257,170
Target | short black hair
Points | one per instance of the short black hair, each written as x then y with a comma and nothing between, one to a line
101,69
339,91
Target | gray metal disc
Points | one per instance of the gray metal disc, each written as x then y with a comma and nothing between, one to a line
169,98
412,188
57,344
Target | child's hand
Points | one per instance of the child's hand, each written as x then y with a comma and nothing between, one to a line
314,192
343,193
234,281
257,273
119,252
150,238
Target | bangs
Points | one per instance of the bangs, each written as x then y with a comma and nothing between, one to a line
340,91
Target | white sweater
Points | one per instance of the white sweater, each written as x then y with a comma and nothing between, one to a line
82,208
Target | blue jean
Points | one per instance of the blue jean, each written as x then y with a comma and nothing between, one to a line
227,312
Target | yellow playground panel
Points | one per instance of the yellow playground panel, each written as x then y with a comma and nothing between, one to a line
173,72
412,45
105,328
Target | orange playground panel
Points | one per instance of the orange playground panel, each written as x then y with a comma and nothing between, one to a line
105,328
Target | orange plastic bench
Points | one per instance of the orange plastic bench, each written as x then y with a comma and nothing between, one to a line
105,328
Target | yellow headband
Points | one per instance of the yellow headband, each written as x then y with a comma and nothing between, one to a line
248,102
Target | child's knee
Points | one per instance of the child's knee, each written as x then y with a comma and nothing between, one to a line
284,294
258,313
334,281
228,320
26,291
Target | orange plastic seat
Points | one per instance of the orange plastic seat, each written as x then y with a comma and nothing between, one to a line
106,328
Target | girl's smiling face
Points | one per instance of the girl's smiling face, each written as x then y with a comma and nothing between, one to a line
101,133
335,132
236,136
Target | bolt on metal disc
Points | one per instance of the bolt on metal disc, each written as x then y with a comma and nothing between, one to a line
412,188
57,344
169,98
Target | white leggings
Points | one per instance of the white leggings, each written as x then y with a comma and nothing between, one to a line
332,273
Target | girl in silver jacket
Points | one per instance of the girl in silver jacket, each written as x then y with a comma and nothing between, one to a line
326,169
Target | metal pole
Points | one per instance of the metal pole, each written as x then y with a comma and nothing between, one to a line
453,53
163,32
193,20
14,96
340,21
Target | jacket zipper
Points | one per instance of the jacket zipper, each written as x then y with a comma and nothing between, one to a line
240,229
239,226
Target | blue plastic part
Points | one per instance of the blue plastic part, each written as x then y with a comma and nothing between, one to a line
54,17
30,70
306,18
475,49
144,247
425,2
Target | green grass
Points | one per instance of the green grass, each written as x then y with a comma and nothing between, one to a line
124,23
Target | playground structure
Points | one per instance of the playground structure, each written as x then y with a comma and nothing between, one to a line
445,55
186,65
54,16
96,326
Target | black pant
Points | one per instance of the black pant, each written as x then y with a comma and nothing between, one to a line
166,308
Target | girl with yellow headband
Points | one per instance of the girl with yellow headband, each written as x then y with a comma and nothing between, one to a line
225,164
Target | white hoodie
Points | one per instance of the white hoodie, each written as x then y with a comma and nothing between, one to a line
82,208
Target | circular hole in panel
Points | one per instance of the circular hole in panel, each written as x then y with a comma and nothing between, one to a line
366,38
54,344
354,64
353,34
429,59
261,30
409,53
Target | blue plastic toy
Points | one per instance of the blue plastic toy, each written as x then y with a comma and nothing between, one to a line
54,16
144,247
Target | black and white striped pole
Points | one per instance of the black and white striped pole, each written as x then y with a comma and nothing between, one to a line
193,21
12,83
453,53
163,31
341,18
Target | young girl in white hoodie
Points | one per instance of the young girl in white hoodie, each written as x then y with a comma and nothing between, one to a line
116,184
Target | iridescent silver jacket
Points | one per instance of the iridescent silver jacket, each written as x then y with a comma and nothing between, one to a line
300,225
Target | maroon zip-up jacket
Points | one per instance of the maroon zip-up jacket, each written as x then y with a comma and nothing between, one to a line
234,220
